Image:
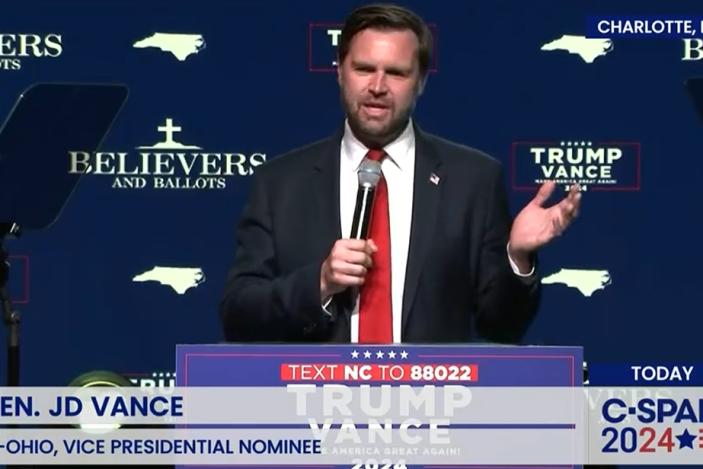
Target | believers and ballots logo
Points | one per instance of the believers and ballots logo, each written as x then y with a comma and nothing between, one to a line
323,40
596,166
171,163
16,48
692,50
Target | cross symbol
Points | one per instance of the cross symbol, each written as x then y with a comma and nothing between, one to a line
169,129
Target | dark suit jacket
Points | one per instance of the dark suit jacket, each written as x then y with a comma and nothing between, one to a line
458,280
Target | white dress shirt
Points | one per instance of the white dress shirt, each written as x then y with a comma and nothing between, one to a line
398,170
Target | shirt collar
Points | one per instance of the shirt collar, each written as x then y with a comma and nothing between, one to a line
397,150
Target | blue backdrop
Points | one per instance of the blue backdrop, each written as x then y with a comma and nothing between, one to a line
259,82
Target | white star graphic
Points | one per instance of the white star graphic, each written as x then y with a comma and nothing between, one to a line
391,354
379,354
367,354
355,354
403,354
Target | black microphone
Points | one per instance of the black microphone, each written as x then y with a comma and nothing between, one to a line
369,174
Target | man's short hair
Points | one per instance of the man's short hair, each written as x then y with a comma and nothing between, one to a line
387,17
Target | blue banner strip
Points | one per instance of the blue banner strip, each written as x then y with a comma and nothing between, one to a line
643,27
645,374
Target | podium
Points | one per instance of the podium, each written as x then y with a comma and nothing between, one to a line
259,364
454,380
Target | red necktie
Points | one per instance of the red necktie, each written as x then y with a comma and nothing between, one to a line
375,313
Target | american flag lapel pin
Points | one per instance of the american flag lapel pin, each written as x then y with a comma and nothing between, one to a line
434,179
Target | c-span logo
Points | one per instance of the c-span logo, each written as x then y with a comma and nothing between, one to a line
598,166
323,40
16,48
181,46
166,164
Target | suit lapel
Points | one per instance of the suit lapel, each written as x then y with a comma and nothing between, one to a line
325,224
426,197
325,188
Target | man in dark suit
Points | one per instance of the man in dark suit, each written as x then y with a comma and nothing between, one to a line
442,263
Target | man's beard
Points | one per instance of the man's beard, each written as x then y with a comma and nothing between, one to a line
370,133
